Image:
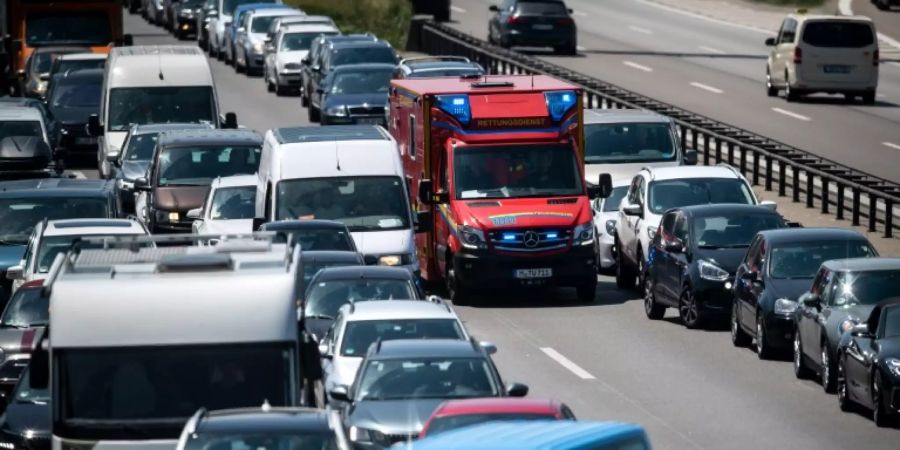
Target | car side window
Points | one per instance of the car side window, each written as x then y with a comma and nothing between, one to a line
819,281
641,191
508,5
831,287
788,31
751,252
668,224
681,229
567,413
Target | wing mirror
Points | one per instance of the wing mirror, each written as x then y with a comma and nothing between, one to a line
44,76
860,330
769,204
489,347
196,214
340,393
809,299
113,157
94,128
604,188
230,121
749,277
16,272
141,184
494,8
423,221
674,246
632,209
690,157
770,42
516,390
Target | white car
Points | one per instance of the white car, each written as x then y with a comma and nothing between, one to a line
249,44
283,68
606,212
653,191
52,237
822,53
359,325
229,207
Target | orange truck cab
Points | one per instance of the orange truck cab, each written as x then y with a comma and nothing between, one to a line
498,164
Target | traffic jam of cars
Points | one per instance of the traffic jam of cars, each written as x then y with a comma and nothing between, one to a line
296,288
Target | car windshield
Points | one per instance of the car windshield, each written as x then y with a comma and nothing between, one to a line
449,72
140,147
20,128
311,268
42,62
300,41
71,27
228,6
541,8
18,216
362,82
615,199
447,423
399,379
838,34
361,55
24,393
261,24
198,166
143,105
67,65
27,308
319,239
301,440
361,203
325,298
803,259
53,245
233,203
891,323
732,231
865,288
158,388
77,93
516,171
629,143
667,194
360,334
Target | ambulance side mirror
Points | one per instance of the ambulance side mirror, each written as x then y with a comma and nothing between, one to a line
426,188
604,188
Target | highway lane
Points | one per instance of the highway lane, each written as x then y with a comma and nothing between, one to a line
717,69
888,22
689,388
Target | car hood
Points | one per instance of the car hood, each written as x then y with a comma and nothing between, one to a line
11,255
393,416
382,242
132,170
369,99
726,258
619,171
290,57
19,340
74,116
317,327
789,289
488,214
235,226
22,417
14,147
180,198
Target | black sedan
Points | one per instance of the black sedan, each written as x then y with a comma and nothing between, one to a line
34,78
72,99
844,292
26,422
314,234
694,255
778,268
316,260
868,364
533,23
355,94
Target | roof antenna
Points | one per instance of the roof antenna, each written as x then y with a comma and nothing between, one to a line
159,65
337,156
532,80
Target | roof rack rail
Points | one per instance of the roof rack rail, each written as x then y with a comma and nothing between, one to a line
191,426
436,299
436,58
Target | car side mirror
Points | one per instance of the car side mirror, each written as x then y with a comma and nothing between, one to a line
268,39
94,128
604,185
690,157
16,272
423,221
196,214
241,30
316,68
809,299
489,347
769,204
230,122
494,8
749,276
426,187
770,42
516,390
323,349
305,61
860,330
141,184
340,393
674,246
632,209
113,158
127,40
20,74
320,90
44,76
2,404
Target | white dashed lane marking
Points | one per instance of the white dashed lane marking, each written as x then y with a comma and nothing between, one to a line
791,114
568,364
637,66
457,9
706,87
638,29
892,145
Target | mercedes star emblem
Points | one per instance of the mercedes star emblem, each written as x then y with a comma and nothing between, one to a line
531,239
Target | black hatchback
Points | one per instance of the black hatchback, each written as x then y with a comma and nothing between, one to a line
534,23
694,255
72,98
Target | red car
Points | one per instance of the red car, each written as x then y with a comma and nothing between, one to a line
454,414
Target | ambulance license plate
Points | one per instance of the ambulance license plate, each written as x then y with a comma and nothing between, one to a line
530,274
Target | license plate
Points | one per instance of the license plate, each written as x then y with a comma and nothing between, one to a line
528,274
369,121
837,69
85,141
542,27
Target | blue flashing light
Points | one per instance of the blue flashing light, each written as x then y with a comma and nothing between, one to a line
457,106
552,235
559,103
509,237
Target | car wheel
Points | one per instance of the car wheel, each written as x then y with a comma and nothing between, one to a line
271,87
587,291
763,349
800,369
882,5
653,310
738,337
790,94
880,414
314,113
304,100
771,90
625,277
689,310
827,372
641,270
455,290
869,98
844,401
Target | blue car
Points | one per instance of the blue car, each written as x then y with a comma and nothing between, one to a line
539,435
236,19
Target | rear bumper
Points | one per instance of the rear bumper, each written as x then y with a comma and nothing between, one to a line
485,269
530,38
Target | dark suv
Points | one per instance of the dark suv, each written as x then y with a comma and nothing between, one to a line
693,257
340,54
184,164
533,23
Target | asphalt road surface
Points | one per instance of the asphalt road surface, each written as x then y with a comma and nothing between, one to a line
718,70
690,389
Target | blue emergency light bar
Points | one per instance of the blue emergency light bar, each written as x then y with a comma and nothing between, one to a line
457,106
559,103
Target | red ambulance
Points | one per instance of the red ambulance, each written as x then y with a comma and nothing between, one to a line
498,165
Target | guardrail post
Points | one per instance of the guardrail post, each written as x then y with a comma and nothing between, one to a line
840,201
824,195
706,150
743,163
854,213
795,185
782,176
718,151
694,139
872,209
682,131
809,189
768,173
755,169
729,147
888,218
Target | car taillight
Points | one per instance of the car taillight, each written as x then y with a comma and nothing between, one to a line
875,57
567,21
512,20
798,55
33,283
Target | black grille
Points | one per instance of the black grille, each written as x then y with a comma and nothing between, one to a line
395,438
530,240
367,110
561,201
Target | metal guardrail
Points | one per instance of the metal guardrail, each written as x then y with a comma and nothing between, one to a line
837,189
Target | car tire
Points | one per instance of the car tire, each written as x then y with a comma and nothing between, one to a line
763,349
689,311
314,114
827,373
868,98
843,396
587,291
771,90
883,6
801,371
652,309
455,291
304,100
739,338
641,271
790,94
625,277
880,414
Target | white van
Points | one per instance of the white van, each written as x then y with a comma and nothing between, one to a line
153,84
351,174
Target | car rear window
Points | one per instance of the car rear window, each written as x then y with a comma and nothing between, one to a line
542,8
837,34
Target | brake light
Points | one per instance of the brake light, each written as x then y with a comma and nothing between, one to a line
566,21
875,57
798,55
33,283
512,20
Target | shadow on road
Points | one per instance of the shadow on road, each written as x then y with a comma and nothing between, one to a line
674,54
825,99
607,294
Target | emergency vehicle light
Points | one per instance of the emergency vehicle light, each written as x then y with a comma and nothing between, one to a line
455,105
559,103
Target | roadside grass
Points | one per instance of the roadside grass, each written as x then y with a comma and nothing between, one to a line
388,19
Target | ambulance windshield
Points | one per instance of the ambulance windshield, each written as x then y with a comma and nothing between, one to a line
542,170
